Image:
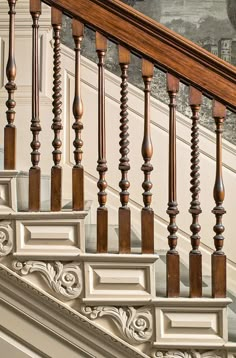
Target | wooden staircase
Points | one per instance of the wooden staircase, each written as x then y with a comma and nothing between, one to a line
78,270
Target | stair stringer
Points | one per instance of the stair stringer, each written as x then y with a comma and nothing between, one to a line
49,328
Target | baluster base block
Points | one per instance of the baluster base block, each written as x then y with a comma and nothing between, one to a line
34,189
172,275
56,181
9,148
78,189
195,275
147,221
218,263
124,230
102,230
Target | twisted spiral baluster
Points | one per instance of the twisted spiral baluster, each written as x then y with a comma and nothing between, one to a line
124,166
56,172
195,257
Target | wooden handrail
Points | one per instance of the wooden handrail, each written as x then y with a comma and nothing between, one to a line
168,50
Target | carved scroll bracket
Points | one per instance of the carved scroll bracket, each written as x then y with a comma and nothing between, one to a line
63,279
134,325
6,239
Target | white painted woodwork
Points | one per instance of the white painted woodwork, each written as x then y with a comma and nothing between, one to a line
52,329
125,278
191,322
6,238
49,235
8,200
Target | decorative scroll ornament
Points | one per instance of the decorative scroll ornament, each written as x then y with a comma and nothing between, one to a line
188,354
6,240
135,325
65,280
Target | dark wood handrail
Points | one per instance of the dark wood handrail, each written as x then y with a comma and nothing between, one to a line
170,51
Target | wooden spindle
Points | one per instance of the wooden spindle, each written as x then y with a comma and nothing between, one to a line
147,214
102,213
124,166
78,170
35,172
195,257
10,129
56,172
173,274
218,257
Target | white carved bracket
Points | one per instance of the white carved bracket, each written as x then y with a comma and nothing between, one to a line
64,279
134,325
187,354
6,239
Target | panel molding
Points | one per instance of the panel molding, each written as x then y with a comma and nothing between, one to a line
8,199
120,279
201,322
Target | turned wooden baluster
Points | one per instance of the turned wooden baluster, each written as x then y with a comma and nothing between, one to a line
10,129
78,170
56,172
195,257
218,257
173,276
124,166
102,213
147,214
35,172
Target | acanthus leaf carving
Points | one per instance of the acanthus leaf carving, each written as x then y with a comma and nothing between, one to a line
186,354
6,239
134,325
64,279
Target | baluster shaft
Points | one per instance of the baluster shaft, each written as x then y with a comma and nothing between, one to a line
56,172
195,257
78,170
218,257
102,213
147,214
124,166
173,276
35,172
10,129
